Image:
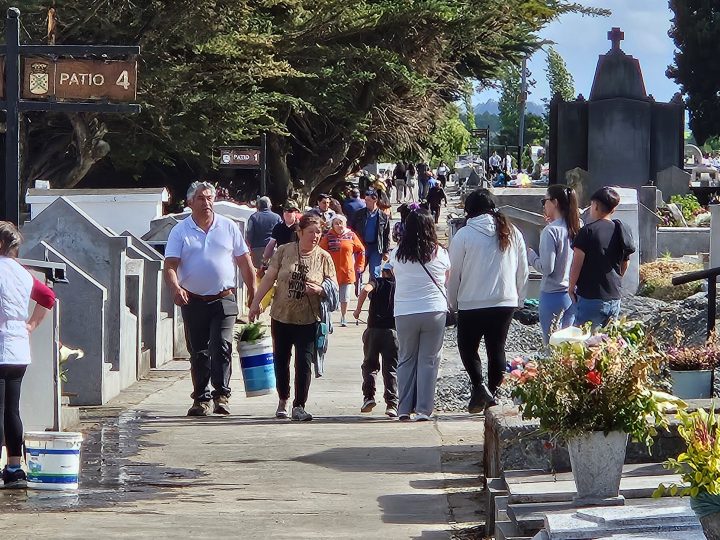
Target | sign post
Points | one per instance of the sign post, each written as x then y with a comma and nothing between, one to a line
483,133
247,157
46,78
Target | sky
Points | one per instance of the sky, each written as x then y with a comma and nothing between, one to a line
580,40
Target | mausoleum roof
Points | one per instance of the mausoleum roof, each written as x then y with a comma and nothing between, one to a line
618,75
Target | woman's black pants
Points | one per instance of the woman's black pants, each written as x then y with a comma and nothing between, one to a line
11,428
493,324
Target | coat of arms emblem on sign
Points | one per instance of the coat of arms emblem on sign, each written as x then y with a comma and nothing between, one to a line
39,78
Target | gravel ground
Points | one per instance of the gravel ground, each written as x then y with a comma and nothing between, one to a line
453,387
662,319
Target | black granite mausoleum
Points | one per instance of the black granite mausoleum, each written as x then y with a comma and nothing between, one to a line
620,136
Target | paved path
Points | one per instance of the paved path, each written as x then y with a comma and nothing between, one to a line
151,472
154,472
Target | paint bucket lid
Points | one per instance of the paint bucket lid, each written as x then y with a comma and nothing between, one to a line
53,435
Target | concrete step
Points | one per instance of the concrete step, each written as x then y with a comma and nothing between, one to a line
505,530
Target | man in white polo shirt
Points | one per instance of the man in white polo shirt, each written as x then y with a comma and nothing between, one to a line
200,258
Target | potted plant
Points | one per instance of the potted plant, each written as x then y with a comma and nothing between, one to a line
256,359
699,467
692,368
593,391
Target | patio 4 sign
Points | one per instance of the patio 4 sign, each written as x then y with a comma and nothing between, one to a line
67,78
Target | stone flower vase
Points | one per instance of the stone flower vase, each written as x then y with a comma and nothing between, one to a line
597,461
707,509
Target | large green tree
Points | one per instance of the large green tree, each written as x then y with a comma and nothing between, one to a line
696,31
335,84
449,139
559,79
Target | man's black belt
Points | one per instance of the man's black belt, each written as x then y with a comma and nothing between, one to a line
212,297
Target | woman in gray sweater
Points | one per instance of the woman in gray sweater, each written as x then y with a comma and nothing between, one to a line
553,261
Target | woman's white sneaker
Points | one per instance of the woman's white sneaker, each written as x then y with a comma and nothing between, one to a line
301,415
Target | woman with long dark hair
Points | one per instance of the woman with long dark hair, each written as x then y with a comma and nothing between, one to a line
487,284
554,258
420,265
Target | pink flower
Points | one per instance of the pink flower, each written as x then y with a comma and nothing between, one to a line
595,340
516,373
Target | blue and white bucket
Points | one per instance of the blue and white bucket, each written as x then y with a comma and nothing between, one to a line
53,459
258,371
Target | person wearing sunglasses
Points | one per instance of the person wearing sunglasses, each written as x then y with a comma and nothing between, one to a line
554,257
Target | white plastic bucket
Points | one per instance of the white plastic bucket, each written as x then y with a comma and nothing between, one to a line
258,371
53,459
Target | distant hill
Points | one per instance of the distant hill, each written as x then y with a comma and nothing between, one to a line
491,107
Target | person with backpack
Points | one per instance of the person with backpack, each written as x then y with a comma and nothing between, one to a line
379,340
601,255
436,195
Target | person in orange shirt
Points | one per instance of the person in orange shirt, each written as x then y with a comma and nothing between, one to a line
348,255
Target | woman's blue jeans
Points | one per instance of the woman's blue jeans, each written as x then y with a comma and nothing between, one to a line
555,306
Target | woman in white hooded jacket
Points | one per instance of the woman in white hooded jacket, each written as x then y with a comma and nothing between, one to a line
488,282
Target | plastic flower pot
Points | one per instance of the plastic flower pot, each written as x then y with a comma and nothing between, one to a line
597,461
695,384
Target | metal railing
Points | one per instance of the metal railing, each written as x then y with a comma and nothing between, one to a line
711,275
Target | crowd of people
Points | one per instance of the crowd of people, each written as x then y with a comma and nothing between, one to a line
414,287
306,262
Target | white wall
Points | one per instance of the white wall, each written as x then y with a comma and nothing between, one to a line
118,211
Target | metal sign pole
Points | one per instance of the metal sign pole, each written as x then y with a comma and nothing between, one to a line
487,157
263,165
12,133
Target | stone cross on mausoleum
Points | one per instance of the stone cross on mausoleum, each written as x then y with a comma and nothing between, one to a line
620,136
616,36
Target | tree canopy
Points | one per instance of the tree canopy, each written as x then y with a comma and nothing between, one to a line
559,79
696,31
334,84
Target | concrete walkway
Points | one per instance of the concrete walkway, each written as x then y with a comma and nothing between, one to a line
150,471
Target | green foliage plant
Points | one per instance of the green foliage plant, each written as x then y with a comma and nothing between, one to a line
602,382
688,205
559,78
699,465
251,333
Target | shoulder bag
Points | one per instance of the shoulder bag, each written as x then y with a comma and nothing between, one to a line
450,317
321,328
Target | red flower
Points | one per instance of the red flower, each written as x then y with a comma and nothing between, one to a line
593,377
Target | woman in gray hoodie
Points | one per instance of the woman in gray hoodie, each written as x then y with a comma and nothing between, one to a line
487,283
555,255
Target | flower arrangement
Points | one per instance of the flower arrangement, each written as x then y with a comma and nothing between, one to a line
603,382
693,358
699,465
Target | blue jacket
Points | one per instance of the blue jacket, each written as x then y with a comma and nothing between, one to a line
329,303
